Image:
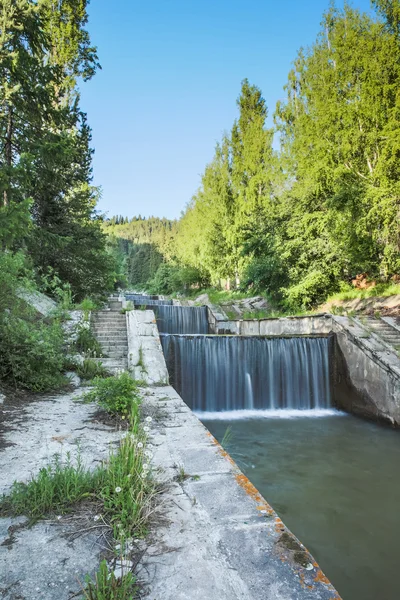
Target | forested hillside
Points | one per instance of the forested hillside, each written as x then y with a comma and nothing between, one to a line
140,246
50,234
300,222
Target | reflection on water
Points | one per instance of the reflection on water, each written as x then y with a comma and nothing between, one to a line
335,481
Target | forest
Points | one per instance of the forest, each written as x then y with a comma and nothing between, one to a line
51,237
297,210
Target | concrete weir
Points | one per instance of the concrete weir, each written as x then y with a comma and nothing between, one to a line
217,537
366,364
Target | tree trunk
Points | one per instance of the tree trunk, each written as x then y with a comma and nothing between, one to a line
8,149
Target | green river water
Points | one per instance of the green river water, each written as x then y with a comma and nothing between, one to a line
335,482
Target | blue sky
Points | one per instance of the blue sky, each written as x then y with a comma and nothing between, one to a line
167,90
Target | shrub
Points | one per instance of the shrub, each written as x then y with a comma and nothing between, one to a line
117,395
311,290
91,369
86,343
31,347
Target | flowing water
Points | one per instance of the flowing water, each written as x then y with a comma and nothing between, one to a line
142,300
335,483
182,319
231,373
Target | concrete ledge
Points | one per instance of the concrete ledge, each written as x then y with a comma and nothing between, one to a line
218,537
373,369
145,357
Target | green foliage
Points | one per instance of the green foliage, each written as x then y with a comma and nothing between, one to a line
106,586
116,394
91,369
123,485
309,292
55,489
47,202
31,348
86,343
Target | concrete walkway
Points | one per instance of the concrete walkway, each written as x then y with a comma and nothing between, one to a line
47,561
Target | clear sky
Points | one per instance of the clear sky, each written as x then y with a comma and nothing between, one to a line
168,87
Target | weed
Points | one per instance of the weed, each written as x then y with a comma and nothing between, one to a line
227,438
56,487
86,343
90,369
117,395
140,362
182,475
107,586
129,306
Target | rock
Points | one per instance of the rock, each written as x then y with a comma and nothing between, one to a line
203,298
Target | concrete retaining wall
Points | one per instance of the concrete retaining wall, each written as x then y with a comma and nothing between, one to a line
372,368
145,357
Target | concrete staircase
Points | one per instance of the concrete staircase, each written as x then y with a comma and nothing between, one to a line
109,328
388,333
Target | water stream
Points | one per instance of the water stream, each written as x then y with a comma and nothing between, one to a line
182,319
231,373
335,483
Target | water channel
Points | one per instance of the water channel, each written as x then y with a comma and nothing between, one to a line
334,479
335,483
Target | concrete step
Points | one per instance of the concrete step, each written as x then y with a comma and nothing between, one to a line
108,349
105,331
111,318
110,334
114,344
117,354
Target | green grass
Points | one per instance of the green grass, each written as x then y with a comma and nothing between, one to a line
122,486
90,369
56,488
108,587
117,395
380,290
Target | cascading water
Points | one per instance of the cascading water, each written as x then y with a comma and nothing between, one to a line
229,373
182,319
142,300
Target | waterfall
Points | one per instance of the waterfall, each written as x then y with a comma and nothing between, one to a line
143,300
230,373
182,319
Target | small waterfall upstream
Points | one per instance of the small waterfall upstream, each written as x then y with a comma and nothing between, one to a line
182,319
142,300
231,373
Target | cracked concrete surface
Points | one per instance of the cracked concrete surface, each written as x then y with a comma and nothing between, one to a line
45,562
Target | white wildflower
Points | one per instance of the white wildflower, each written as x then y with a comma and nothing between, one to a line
146,429
140,445
146,467
150,446
59,518
149,419
118,489
148,454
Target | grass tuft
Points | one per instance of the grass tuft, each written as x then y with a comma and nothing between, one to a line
106,586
